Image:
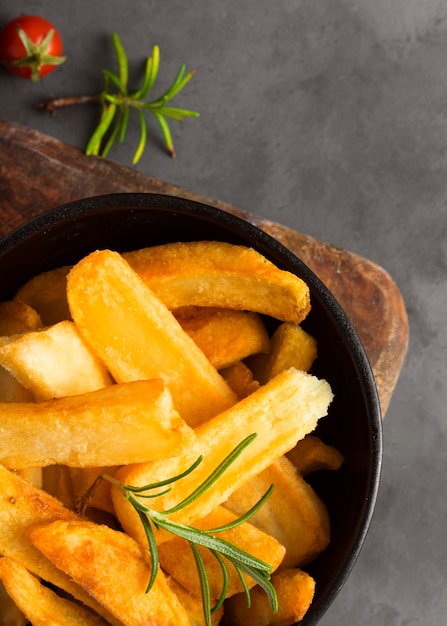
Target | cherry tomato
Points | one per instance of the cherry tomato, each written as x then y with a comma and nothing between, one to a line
30,47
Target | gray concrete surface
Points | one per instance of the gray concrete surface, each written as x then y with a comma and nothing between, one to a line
330,117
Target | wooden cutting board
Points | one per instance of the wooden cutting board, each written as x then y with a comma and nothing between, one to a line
38,173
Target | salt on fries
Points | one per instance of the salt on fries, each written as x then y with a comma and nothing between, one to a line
119,372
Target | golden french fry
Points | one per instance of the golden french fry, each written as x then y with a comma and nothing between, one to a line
240,379
218,274
41,605
33,475
281,412
136,336
54,362
46,293
176,557
23,505
291,346
113,568
18,317
112,426
11,390
10,614
82,478
56,481
293,514
312,454
193,605
295,591
225,336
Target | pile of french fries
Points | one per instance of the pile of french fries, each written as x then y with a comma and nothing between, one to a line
133,365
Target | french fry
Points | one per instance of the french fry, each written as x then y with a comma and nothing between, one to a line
218,274
240,379
11,390
23,505
281,413
137,338
176,557
193,605
311,454
112,568
54,362
41,605
291,346
10,614
293,514
56,480
295,590
18,317
83,478
46,293
225,336
112,426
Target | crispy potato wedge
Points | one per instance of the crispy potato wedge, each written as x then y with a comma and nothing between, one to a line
294,514
240,379
281,413
10,614
218,274
23,505
136,336
295,590
54,362
46,293
111,567
311,454
291,346
225,336
176,557
41,605
115,425
18,317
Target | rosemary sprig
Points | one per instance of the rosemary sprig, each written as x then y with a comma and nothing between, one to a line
244,562
117,100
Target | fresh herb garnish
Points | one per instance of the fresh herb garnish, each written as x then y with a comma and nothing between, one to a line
117,100
243,562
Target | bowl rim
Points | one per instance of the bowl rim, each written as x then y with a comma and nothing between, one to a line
266,244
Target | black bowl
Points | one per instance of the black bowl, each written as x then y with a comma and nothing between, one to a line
130,221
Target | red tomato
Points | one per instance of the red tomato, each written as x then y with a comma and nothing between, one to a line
30,47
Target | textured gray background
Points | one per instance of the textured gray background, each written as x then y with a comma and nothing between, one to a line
330,117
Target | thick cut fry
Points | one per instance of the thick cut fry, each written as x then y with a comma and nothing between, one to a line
11,390
56,480
46,293
281,413
225,336
18,317
113,569
41,605
240,379
23,505
291,346
83,478
54,362
10,614
138,338
294,514
116,425
295,591
312,454
176,557
193,605
218,274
